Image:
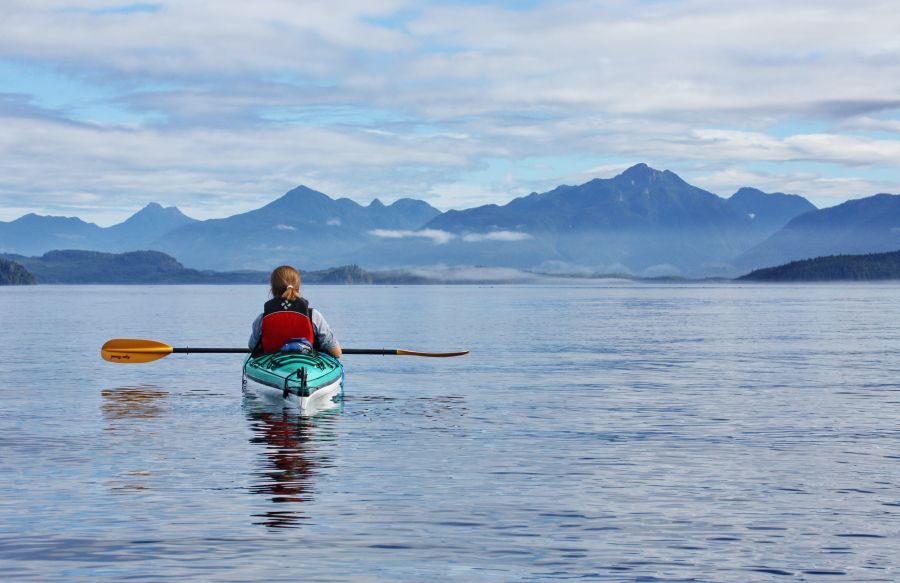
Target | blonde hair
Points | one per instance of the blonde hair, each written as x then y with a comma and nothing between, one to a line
286,282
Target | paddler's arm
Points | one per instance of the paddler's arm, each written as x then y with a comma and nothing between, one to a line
325,336
255,333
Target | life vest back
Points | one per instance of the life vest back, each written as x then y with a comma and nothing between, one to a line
286,319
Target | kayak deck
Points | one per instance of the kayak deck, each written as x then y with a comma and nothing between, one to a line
295,374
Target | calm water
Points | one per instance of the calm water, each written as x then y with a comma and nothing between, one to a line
613,432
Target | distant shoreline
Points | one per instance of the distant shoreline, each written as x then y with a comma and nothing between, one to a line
156,268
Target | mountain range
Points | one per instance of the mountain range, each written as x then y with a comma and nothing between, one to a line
861,226
643,221
35,234
303,226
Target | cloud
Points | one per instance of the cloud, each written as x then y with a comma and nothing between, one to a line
210,171
822,191
661,270
650,58
867,123
333,222
437,236
440,237
496,236
474,274
450,60
845,149
190,37
556,267
285,228
737,145
220,107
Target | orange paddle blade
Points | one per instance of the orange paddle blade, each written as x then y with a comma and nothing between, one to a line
133,350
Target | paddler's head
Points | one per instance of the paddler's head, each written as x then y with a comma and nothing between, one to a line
286,283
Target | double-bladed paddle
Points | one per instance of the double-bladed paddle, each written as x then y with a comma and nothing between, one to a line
134,350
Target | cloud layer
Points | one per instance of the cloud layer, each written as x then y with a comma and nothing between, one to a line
219,107
440,237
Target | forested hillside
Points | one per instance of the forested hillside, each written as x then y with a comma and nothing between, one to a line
870,267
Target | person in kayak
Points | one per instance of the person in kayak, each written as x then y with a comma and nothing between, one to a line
287,319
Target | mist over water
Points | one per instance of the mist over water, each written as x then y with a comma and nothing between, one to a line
604,431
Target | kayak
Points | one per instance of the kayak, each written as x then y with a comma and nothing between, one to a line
312,382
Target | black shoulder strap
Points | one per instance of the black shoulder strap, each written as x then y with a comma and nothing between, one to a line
315,330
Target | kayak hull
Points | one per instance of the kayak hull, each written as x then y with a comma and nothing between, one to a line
310,382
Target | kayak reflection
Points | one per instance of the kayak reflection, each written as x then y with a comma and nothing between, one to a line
289,458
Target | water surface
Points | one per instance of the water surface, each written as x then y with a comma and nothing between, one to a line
606,431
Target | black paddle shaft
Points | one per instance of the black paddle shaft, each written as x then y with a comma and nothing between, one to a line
189,350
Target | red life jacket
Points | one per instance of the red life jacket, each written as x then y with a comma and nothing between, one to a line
286,319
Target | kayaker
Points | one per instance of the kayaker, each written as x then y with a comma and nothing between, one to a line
287,318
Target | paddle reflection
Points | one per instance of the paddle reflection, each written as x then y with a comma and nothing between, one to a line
126,410
140,402
290,462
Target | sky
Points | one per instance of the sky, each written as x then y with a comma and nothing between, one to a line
220,107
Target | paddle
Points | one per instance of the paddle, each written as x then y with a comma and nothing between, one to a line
134,350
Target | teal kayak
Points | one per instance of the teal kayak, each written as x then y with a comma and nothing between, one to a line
311,381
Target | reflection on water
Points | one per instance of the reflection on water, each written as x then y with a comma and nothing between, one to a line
134,481
140,402
122,407
289,464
